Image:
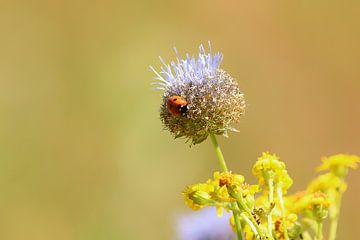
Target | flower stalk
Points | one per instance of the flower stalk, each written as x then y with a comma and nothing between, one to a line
253,226
224,168
237,224
270,183
282,208
247,215
334,213
218,152
319,234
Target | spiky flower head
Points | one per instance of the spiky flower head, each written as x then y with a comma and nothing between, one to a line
214,100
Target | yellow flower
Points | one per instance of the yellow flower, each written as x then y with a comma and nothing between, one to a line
198,195
314,204
221,182
248,189
291,226
262,200
319,198
301,201
227,179
326,182
267,162
221,194
269,166
339,164
320,205
214,192
285,180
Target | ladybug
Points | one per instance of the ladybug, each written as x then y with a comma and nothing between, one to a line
177,105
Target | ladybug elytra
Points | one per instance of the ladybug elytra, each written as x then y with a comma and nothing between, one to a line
177,105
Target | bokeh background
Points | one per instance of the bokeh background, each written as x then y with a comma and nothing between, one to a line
83,154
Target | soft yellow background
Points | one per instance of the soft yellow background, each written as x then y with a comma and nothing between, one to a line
83,155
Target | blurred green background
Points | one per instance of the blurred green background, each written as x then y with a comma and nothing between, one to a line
83,154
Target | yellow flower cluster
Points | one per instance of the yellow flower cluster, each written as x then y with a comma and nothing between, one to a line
198,196
322,196
275,217
308,201
227,179
339,164
326,182
269,166
214,192
279,227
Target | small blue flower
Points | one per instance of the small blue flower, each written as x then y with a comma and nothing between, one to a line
204,225
210,98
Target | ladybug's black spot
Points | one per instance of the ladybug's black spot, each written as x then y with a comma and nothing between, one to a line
175,99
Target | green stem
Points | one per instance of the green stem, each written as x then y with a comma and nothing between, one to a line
218,153
319,235
333,228
334,215
253,227
271,201
282,207
237,224
224,168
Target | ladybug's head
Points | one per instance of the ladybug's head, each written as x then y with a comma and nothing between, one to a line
183,109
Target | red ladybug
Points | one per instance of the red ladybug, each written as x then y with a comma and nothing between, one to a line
177,105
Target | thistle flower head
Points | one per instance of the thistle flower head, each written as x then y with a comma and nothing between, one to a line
210,98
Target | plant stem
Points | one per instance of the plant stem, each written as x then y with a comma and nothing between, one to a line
224,168
253,227
237,224
270,181
334,216
249,217
282,207
319,235
218,153
333,228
